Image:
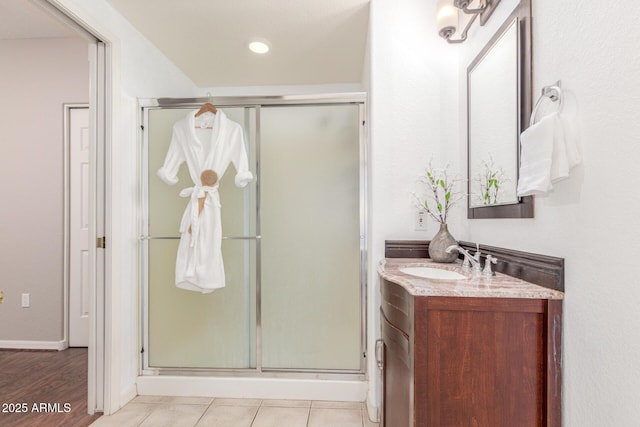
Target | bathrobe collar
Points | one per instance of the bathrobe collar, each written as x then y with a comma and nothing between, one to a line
204,151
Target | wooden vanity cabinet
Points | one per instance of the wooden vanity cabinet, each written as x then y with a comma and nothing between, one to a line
477,362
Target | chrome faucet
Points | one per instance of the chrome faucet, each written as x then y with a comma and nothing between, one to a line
470,262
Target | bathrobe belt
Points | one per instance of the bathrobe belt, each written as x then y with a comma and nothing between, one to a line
196,192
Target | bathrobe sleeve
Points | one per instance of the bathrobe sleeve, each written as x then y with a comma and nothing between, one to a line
175,157
239,158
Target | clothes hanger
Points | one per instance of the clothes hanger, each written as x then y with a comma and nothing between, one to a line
207,107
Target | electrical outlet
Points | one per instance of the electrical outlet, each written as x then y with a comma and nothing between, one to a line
421,220
26,300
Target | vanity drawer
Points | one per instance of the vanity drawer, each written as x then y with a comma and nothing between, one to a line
397,306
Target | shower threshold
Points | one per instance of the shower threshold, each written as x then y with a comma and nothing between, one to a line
262,387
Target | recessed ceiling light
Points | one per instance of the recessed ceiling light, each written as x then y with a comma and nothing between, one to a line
259,47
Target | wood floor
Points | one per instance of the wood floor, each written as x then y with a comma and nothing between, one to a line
48,387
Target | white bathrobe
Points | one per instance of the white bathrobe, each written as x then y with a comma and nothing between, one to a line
199,265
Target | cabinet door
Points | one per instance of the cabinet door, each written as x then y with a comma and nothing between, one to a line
486,362
397,408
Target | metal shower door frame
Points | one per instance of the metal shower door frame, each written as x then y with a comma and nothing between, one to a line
147,104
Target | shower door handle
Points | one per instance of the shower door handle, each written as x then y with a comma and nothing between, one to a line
380,354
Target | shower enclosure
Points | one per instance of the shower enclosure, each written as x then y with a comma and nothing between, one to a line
293,246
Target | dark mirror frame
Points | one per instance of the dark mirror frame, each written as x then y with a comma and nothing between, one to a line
524,207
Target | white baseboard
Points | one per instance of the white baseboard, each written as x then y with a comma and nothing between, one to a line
253,388
127,395
34,345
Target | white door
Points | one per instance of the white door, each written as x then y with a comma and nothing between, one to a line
79,144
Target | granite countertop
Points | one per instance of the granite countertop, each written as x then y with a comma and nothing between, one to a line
497,286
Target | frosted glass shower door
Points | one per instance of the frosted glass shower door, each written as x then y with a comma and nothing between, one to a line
310,246
187,329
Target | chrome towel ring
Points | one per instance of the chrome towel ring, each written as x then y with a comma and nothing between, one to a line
554,93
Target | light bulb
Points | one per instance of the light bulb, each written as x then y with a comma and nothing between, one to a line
446,19
259,47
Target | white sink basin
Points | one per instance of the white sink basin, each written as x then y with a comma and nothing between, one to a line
432,273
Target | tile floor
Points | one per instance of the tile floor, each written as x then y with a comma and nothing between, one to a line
157,411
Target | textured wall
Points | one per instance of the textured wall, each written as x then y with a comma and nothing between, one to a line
591,219
413,117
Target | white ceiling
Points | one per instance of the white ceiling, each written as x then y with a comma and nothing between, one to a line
21,19
312,41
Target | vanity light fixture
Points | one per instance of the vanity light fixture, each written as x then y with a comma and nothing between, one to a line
259,46
448,13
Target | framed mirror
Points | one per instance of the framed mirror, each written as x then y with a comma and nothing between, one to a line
498,110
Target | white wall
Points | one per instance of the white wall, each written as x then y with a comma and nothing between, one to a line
591,219
412,80
139,70
38,77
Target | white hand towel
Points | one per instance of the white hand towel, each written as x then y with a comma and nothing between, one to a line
559,162
536,145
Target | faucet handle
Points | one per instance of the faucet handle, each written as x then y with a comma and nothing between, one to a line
487,265
476,256
466,264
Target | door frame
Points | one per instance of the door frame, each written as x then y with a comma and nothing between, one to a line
101,376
